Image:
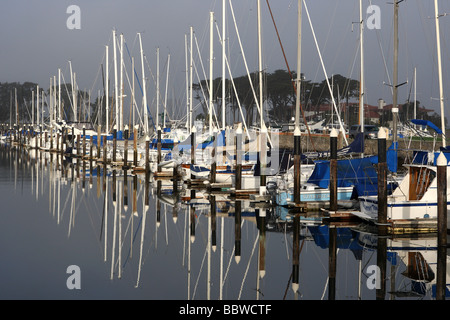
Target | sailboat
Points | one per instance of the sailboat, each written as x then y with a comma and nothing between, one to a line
416,196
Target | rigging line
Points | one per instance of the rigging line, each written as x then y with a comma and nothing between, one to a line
204,75
245,61
246,67
377,31
199,273
234,87
140,87
248,265
325,72
292,78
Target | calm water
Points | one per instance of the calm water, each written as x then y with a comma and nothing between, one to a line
53,218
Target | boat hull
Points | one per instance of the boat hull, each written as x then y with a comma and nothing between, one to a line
317,194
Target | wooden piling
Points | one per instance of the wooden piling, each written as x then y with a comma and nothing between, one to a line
332,252
135,154
147,155
263,160
333,170
105,155
212,176
193,147
382,179
99,140
295,253
84,142
442,199
442,226
212,200
114,145
237,230
297,167
158,146
238,142
91,147
125,149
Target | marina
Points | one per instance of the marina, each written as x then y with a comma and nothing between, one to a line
136,236
222,196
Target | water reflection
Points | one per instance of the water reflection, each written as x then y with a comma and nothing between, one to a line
139,238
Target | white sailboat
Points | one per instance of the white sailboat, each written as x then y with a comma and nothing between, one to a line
416,196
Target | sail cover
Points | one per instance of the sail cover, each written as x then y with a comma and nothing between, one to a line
360,173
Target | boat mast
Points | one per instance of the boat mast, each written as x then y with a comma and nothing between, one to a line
395,75
17,108
107,89
144,99
187,83
116,84
361,83
211,57
165,95
59,96
223,64
37,107
191,69
157,88
261,114
297,132
120,123
32,108
441,90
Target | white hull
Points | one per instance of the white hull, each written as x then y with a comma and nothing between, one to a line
414,198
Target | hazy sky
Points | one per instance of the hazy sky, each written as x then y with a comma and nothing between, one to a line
36,41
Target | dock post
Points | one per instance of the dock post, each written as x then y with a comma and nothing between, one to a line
193,145
332,262
238,177
91,147
114,144
214,158
147,155
237,230
135,154
212,200
295,253
297,168
99,141
442,226
382,178
40,136
63,141
51,138
263,160
333,170
84,141
125,149
382,215
105,155
158,146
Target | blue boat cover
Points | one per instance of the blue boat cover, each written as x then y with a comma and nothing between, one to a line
427,123
360,173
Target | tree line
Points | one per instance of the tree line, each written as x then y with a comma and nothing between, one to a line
278,89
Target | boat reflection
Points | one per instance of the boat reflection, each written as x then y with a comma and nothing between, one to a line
217,246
